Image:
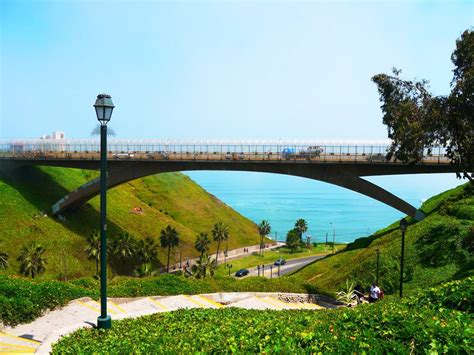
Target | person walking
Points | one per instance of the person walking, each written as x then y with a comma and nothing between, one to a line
374,294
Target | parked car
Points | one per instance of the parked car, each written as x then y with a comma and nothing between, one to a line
288,153
311,152
279,262
241,273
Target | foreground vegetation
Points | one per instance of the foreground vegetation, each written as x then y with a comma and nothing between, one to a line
436,320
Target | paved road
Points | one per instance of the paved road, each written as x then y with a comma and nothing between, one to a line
291,265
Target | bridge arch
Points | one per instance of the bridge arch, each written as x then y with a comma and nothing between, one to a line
346,175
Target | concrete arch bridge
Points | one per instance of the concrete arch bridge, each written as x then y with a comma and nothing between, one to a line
342,163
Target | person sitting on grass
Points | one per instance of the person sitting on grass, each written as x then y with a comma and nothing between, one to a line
374,293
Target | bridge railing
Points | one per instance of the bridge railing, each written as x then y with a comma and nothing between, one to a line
89,149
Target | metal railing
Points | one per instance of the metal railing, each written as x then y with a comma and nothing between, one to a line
84,149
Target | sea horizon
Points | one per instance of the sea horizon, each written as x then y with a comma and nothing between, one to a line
327,208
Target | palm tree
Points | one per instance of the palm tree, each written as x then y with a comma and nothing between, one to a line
124,248
202,243
204,266
264,229
145,269
169,238
93,249
220,232
31,259
147,250
3,260
301,226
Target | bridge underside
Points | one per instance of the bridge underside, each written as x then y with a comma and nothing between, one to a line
346,175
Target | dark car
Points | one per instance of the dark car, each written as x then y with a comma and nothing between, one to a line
279,262
241,272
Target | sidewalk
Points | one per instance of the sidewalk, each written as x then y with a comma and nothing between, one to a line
231,255
39,335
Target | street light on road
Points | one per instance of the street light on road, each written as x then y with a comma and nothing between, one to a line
333,237
403,227
103,108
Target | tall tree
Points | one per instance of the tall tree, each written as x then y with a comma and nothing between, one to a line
418,122
147,250
293,240
301,226
220,232
202,243
264,229
93,249
32,262
124,248
169,238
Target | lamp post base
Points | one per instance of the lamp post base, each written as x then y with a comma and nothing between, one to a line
104,323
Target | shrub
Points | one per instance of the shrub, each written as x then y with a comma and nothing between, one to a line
390,326
22,300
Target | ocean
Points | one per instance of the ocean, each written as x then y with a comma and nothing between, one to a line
330,209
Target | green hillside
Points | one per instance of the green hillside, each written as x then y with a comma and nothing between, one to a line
171,198
437,249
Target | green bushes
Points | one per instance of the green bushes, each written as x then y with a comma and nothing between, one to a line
22,301
421,324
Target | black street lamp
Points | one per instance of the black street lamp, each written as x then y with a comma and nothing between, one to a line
229,266
103,108
378,260
403,227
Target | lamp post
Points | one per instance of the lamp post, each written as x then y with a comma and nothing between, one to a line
333,237
378,259
229,266
403,227
103,108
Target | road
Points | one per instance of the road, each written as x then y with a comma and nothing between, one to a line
291,265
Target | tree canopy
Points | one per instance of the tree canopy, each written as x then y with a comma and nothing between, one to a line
417,120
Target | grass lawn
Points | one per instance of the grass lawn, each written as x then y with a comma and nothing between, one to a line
269,257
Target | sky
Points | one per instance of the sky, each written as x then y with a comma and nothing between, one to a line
217,69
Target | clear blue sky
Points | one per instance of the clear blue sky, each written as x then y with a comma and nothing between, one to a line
217,69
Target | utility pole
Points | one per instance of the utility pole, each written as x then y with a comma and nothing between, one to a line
326,244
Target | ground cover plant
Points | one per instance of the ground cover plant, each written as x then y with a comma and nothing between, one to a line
420,324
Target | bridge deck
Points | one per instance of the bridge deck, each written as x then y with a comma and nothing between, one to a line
242,157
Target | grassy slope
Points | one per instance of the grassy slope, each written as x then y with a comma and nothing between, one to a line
165,199
358,261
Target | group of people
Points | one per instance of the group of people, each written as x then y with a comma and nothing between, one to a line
375,293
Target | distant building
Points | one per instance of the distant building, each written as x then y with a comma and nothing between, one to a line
55,135
50,143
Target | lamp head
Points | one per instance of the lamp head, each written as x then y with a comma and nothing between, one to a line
403,224
103,108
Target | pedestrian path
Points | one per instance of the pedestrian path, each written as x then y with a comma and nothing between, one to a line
39,335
